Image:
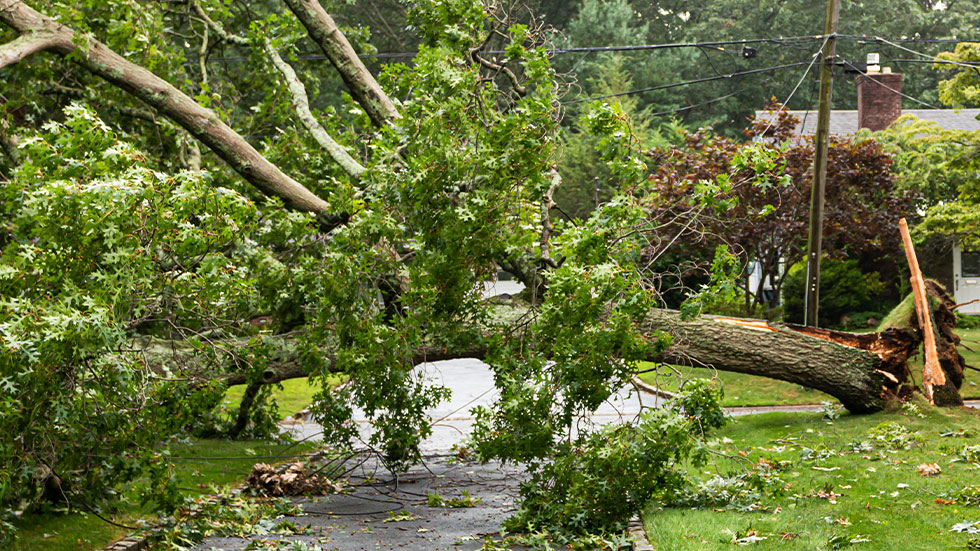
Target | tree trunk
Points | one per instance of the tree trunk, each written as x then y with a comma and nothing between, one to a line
360,82
861,370
858,370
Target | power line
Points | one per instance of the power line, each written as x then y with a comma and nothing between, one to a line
688,82
718,44
783,105
899,92
930,61
925,55
695,106
871,39
555,51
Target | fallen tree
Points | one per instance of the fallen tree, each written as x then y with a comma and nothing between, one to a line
862,370
126,280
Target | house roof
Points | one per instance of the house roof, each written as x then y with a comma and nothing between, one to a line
845,121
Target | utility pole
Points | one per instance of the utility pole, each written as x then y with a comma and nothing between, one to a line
814,243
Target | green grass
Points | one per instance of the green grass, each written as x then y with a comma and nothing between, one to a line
295,395
739,389
200,464
872,505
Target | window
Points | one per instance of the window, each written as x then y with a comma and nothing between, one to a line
970,264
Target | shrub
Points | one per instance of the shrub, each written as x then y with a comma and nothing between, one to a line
967,322
844,289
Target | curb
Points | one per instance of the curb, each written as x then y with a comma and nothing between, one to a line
639,535
129,544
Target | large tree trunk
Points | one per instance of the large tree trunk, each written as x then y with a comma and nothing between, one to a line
861,370
858,370
360,82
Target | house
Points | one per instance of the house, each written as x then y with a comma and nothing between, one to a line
879,105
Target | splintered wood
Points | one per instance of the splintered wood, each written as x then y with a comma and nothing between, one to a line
932,373
757,325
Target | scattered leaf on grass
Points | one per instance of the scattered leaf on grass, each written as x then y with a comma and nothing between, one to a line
929,469
968,527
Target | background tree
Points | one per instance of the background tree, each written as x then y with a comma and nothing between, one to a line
942,164
766,213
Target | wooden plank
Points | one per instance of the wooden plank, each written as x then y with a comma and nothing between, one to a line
932,373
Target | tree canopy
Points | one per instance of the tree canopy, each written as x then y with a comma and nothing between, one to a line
203,193
174,221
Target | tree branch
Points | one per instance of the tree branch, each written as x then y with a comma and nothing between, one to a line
302,105
515,82
361,83
218,29
23,46
200,122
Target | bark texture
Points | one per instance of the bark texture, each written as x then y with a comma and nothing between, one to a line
23,46
950,360
852,374
361,83
301,103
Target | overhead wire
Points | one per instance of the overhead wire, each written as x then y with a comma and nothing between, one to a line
899,92
925,55
783,105
719,44
687,82
695,106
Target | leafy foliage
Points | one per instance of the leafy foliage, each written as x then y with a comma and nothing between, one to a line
101,245
942,164
605,477
119,241
844,290
759,205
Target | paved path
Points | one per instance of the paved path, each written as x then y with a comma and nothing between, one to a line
380,515
472,385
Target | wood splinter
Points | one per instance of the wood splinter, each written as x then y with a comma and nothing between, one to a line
932,373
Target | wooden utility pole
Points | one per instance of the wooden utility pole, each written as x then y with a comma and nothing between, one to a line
814,243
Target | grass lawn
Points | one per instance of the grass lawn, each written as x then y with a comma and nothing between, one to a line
841,486
200,464
740,389
295,395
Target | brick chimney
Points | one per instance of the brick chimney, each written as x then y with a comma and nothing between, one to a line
879,98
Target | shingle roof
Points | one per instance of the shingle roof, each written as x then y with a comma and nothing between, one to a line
845,121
